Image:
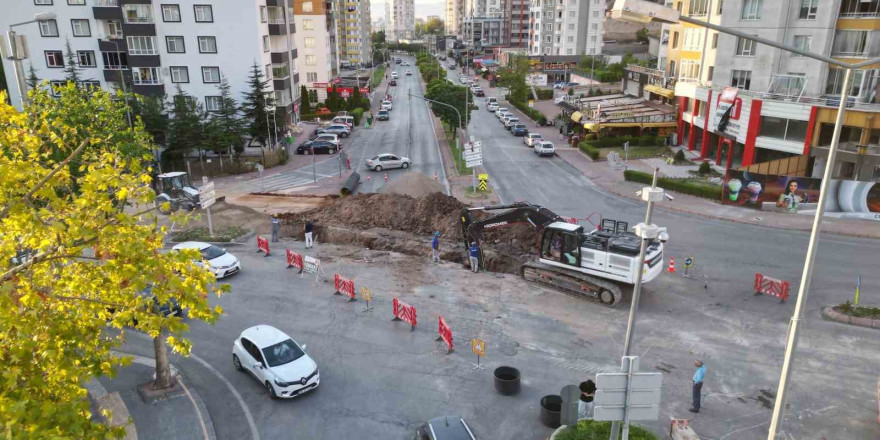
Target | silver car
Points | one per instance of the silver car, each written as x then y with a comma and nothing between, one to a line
340,130
387,160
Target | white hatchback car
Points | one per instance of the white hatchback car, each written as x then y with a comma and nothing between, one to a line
276,361
531,138
220,262
386,105
544,148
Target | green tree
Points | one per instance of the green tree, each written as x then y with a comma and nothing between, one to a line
642,35
305,105
3,86
92,245
186,131
72,71
448,93
225,128
153,113
378,37
255,104
32,81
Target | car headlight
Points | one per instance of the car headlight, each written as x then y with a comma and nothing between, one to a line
282,383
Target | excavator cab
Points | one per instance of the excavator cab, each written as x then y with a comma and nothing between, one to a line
561,243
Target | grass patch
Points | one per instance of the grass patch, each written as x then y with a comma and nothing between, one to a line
593,430
200,233
460,166
378,75
849,309
694,187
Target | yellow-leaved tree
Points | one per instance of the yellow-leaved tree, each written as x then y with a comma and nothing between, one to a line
80,246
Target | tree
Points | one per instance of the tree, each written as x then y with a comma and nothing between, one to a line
378,37
153,113
642,35
305,105
225,129
3,86
186,131
256,101
448,93
76,253
32,81
72,71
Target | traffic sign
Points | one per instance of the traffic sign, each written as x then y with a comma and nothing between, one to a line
207,195
478,347
474,163
688,262
628,395
484,180
473,156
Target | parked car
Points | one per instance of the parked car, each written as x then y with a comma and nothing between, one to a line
492,107
462,79
405,63
329,137
408,72
545,148
501,111
276,361
383,115
343,119
519,130
445,428
215,258
392,83
387,160
479,92
341,130
531,138
510,121
452,67
386,105
318,147
397,61
491,100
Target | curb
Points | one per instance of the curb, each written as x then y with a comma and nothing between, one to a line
830,314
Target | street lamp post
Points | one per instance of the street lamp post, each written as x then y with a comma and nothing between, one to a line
640,11
16,56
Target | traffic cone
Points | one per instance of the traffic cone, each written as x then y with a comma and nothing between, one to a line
386,177
671,265
368,177
435,175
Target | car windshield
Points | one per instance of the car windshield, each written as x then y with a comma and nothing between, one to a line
212,252
282,353
374,158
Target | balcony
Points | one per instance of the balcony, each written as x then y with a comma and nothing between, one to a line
105,3
859,9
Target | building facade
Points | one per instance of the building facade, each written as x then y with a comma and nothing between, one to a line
454,16
353,44
518,19
400,19
566,27
315,42
152,49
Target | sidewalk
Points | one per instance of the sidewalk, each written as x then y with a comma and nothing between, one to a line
182,416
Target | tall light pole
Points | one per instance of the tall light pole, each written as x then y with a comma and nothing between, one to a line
16,54
640,11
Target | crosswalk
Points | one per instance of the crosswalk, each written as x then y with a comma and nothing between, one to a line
282,181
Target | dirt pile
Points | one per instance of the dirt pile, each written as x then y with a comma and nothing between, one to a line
413,184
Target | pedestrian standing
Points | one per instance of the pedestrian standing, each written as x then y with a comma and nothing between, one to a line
276,228
698,384
308,229
435,246
585,404
474,255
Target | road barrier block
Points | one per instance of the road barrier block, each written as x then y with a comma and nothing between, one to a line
771,286
344,286
444,333
404,312
263,245
294,260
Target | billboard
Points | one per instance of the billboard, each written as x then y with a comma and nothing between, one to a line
725,107
536,79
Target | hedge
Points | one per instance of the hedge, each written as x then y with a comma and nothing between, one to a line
357,114
590,150
544,94
617,141
685,186
536,115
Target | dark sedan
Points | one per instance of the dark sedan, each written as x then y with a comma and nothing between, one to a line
519,130
393,82
320,147
479,92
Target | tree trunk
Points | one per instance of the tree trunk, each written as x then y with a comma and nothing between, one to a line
163,368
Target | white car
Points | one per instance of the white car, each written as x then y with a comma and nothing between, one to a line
386,105
387,160
492,107
408,72
501,111
220,262
394,75
276,361
544,148
531,138
510,121
492,100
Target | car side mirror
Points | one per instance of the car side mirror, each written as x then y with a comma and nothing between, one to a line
258,365
304,347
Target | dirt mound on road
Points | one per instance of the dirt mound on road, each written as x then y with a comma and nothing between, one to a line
413,184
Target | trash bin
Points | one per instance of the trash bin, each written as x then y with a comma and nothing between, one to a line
551,409
507,381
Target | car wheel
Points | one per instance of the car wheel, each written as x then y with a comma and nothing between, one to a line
271,390
331,151
236,363
378,168
405,165
345,135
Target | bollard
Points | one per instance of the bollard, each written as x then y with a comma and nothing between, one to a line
386,177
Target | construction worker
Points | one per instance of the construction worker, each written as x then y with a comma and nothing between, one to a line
276,228
474,255
308,230
435,246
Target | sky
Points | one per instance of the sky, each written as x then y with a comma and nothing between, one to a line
424,8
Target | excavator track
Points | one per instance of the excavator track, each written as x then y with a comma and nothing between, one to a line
572,283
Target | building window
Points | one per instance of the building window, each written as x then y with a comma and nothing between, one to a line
265,43
859,9
745,47
210,75
307,6
115,60
715,41
569,51
142,46
710,73
280,70
56,86
808,9
569,39
268,71
175,44
204,13
43,2
212,103
675,40
48,28
802,42
309,42
308,25
786,129
850,44
693,39
311,60
689,71
571,26
54,59
179,74
80,27
264,16
171,13
145,75
698,8
76,2
594,26
834,85
311,76
135,13
86,58
741,79
207,44
112,28
751,9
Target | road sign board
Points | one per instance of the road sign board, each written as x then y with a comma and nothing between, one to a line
643,390
311,265
617,381
482,186
650,412
473,156
688,262
206,203
475,163
207,195
483,176
618,397
478,347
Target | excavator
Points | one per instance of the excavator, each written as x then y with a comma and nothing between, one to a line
590,265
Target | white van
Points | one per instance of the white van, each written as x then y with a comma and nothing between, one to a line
349,120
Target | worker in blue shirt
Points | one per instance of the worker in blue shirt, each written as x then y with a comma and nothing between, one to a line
474,255
698,384
435,246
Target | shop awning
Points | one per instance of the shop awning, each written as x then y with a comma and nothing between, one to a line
594,126
666,93
576,116
591,126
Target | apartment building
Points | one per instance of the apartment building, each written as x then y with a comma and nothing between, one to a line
566,27
486,23
454,16
151,48
400,16
785,104
315,42
353,43
518,19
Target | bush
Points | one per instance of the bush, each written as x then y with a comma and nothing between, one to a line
684,186
680,157
542,120
705,168
589,149
594,430
357,114
649,140
849,309
544,94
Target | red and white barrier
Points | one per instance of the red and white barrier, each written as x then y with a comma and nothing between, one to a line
771,286
444,333
294,260
263,245
404,312
344,286
572,220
